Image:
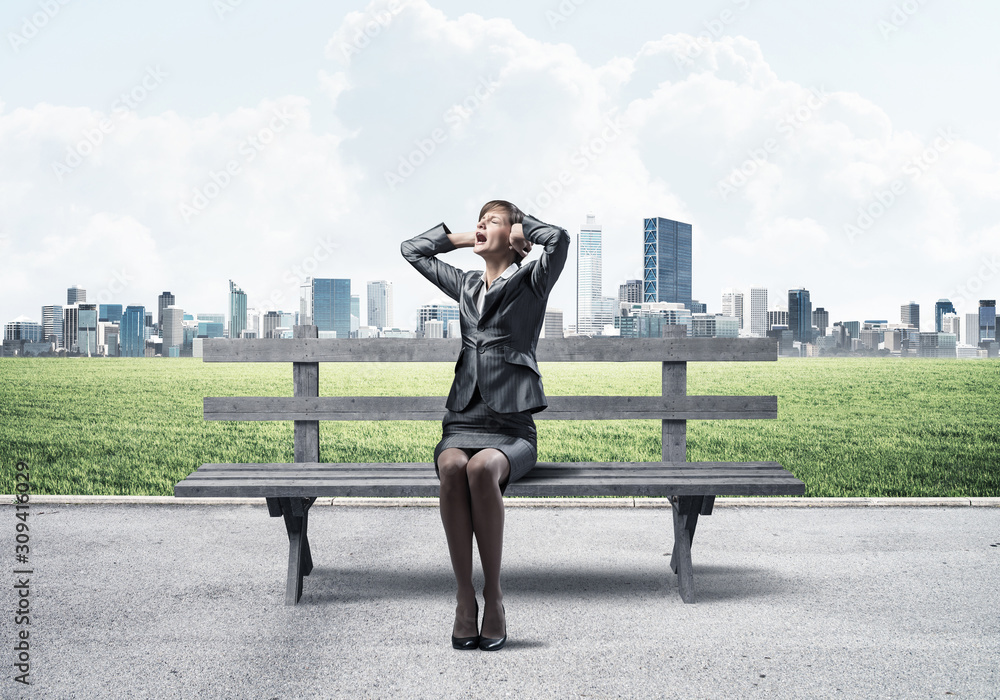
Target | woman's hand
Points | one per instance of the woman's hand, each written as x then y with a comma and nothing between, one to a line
518,242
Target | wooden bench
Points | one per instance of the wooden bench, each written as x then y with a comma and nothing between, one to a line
290,489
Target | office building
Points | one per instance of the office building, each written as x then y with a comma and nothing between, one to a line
909,314
666,261
453,329
758,311
332,305
987,321
52,324
589,296
952,323
305,302
800,315
237,311
86,333
552,327
714,326
271,321
380,308
131,336
777,317
942,307
355,313
821,320
971,329
653,319
434,328
71,326
163,301
109,313
76,295
732,304
440,312
630,292
172,332
23,328
698,307
936,345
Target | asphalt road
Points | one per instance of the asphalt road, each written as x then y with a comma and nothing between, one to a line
186,601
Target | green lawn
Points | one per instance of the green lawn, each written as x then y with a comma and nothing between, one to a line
846,427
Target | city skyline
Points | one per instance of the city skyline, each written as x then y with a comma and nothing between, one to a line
795,161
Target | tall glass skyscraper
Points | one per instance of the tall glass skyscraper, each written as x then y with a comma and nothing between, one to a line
131,335
910,313
987,320
86,334
380,312
942,307
52,324
76,295
166,299
589,299
332,305
732,305
666,257
237,310
800,315
758,311
110,313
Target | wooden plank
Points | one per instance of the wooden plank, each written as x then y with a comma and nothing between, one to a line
423,466
305,383
682,549
536,474
577,349
675,409
673,432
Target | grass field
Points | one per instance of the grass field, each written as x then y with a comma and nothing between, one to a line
846,427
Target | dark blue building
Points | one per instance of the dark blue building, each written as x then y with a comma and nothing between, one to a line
111,313
331,303
666,261
800,313
942,307
131,336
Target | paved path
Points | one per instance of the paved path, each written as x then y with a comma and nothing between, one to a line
186,601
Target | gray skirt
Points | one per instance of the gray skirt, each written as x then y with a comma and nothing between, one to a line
479,427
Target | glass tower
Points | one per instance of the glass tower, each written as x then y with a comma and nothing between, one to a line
332,305
942,307
110,313
666,260
987,320
237,310
131,336
52,324
800,315
380,304
589,299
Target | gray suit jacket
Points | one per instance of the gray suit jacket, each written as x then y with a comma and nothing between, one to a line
498,347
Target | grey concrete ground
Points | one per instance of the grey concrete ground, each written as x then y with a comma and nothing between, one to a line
186,601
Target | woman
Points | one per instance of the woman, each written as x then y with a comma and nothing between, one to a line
489,436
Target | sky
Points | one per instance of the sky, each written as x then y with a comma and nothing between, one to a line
848,148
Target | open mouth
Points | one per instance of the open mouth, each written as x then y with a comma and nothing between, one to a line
480,238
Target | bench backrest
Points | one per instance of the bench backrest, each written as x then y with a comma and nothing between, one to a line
674,407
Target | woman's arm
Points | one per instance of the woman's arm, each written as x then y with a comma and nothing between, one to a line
421,252
555,242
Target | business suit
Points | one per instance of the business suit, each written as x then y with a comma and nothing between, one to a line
497,358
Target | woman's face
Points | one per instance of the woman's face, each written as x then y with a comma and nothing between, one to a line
493,235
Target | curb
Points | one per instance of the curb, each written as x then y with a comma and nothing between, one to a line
516,502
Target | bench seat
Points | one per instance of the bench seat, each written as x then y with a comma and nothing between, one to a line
657,479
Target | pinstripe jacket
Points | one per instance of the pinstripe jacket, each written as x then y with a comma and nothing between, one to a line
498,346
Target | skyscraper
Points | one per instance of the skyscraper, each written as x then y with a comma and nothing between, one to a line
821,319
952,323
305,302
630,292
942,307
165,299
800,315
237,310
380,312
971,334
667,261
86,333
987,320
173,328
111,313
732,304
71,326
589,301
332,305
52,324
553,325
355,314
910,313
76,295
131,336
440,312
758,311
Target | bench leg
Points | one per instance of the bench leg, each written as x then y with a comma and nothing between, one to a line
296,515
685,511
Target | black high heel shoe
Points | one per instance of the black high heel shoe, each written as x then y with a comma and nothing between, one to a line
467,642
488,644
